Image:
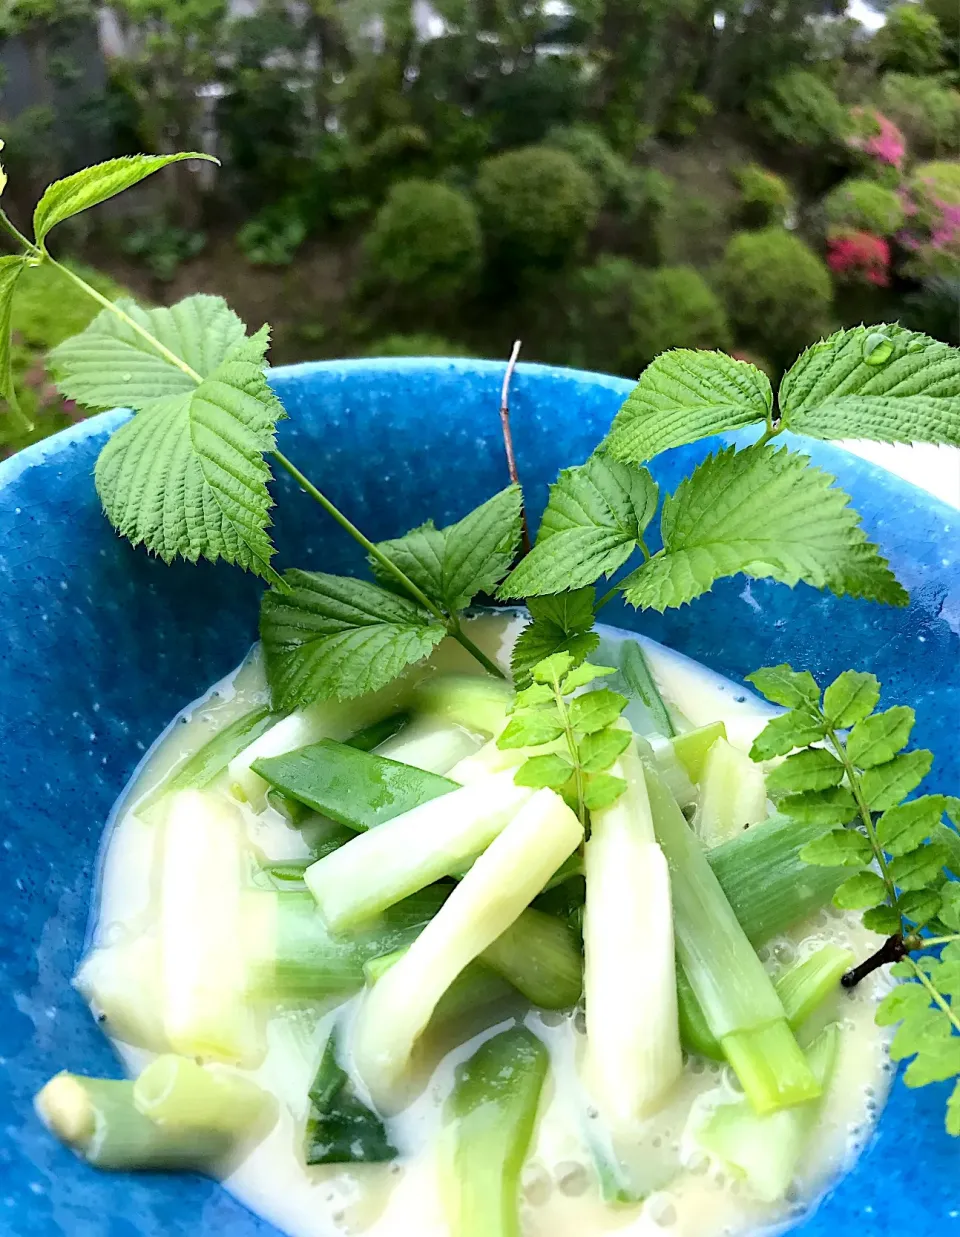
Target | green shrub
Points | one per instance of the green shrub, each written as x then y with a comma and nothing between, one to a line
909,41
272,237
619,185
674,307
537,204
162,246
947,13
765,197
422,344
690,229
803,109
934,190
925,109
863,205
425,241
777,290
599,308
934,185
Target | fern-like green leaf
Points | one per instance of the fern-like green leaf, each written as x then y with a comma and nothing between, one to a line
11,268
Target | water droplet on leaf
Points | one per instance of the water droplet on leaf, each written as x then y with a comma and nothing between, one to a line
126,377
877,349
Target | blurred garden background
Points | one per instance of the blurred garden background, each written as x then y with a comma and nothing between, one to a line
603,178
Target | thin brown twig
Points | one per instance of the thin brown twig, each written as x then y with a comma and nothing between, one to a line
508,439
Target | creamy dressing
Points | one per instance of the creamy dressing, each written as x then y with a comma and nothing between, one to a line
692,1195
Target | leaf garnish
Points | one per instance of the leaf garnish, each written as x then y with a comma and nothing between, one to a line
685,395
585,726
560,624
12,267
333,637
187,475
595,519
766,513
885,383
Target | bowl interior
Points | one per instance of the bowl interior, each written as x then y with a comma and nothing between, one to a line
102,645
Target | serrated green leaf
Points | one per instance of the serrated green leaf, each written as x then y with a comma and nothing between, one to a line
948,973
877,739
561,623
583,674
451,565
333,637
765,513
110,365
594,711
93,185
594,519
601,790
784,685
783,733
918,868
536,693
833,391
920,905
683,396
950,905
12,267
850,698
935,1063
951,806
902,828
905,1001
530,730
812,769
598,751
841,848
952,1120
882,919
923,1031
820,807
548,770
860,892
553,669
187,476
885,785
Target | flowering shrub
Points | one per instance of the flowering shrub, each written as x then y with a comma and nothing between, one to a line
876,136
859,257
933,238
861,204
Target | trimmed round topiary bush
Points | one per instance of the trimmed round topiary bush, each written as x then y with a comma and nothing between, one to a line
618,184
418,344
425,241
777,290
863,205
599,309
802,109
765,197
674,307
934,230
537,204
926,111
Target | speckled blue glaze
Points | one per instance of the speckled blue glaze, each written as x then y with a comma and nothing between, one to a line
102,645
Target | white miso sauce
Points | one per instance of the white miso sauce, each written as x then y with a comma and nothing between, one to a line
696,1197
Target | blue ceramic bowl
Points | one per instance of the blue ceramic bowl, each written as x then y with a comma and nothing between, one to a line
101,645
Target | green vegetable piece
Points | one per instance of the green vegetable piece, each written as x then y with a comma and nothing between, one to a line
341,1129
692,746
490,1118
804,986
372,736
475,988
638,681
355,788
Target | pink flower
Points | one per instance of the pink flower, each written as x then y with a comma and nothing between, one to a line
859,256
877,136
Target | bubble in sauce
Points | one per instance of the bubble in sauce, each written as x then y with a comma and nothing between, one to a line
661,1210
536,1184
573,1178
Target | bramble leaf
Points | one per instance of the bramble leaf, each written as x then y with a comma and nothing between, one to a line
685,395
850,698
860,892
333,637
93,185
784,685
878,738
594,519
783,733
110,365
599,750
549,770
12,267
835,390
812,769
561,623
187,475
451,565
595,710
841,848
765,513
884,786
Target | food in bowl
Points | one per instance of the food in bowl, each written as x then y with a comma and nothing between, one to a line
531,839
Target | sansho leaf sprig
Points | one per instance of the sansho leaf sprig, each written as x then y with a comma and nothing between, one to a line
848,771
579,731
188,476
